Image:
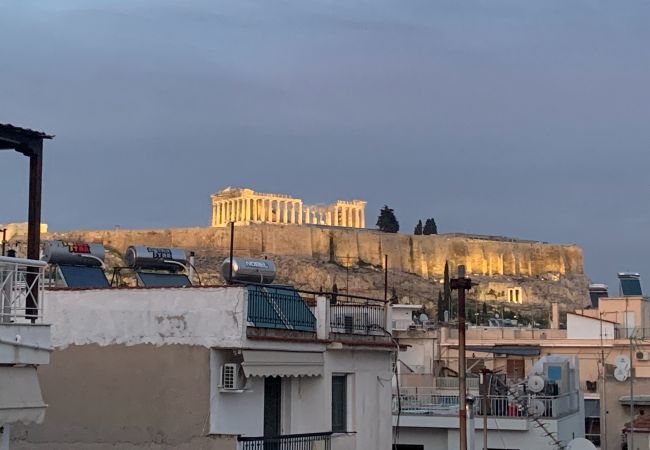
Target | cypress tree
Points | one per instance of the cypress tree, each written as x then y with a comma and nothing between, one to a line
418,228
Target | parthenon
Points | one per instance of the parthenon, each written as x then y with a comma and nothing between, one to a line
242,205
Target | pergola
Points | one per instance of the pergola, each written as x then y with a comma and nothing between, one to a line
29,143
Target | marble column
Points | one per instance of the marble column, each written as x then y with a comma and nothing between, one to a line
285,212
248,209
299,205
363,218
307,218
328,218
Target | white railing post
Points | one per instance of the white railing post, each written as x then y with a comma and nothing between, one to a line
388,308
322,318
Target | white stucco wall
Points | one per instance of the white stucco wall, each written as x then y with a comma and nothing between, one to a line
235,412
579,327
209,317
369,414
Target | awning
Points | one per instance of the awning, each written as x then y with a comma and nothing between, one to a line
20,396
520,350
260,363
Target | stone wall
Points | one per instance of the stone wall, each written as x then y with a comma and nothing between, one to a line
421,255
316,257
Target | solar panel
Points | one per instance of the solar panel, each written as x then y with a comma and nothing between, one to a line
154,279
83,277
631,287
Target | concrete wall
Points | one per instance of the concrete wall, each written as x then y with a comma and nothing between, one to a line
422,255
210,317
123,398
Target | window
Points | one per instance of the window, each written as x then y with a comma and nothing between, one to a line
339,403
592,421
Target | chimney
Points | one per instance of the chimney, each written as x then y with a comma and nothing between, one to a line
555,316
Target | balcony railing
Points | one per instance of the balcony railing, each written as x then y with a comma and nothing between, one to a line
358,316
279,307
626,333
311,441
21,290
494,406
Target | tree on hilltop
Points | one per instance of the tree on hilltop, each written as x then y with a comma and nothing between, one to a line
387,222
430,227
418,228
447,290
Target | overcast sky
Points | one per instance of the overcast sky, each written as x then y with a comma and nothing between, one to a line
509,117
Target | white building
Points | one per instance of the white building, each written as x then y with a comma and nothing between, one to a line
24,344
214,368
512,417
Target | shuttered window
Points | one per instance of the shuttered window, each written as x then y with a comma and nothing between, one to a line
339,403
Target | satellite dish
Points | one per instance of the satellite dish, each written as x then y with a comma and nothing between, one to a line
621,374
536,408
622,361
580,444
535,384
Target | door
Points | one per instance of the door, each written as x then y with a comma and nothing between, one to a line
272,406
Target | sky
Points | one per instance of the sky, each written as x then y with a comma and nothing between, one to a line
526,119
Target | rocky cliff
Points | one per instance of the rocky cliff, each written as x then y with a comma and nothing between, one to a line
315,257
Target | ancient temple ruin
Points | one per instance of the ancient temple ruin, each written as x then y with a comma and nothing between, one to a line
241,205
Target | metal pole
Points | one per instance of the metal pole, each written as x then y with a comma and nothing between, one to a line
461,284
631,447
385,278
486,388
603,392
4,240
232,250
34,225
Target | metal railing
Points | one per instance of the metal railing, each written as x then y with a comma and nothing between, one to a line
494,406
356,316
310,441
275,307
626,333
21,290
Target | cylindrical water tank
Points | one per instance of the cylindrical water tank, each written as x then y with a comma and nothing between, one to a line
249,269
155,258
73,253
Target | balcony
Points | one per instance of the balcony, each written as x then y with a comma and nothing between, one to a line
24,339
430,404
311,441
350,315
21,290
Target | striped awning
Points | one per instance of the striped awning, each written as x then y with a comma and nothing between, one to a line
20,396
263,363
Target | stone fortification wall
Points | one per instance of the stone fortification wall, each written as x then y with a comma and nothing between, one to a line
421,255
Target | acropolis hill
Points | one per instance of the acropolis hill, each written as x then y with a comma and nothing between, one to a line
316,256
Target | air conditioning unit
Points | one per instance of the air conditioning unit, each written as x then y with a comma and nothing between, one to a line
230,377
643,356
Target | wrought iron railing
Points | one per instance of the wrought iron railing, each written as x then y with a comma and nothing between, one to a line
357,316
494,406
311,441
21,290
279,307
